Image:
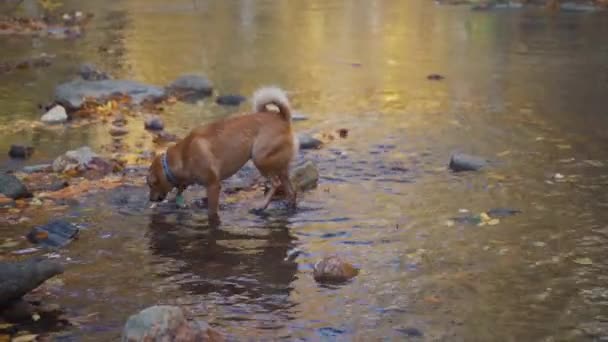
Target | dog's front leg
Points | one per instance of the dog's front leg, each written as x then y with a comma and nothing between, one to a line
213,200
179,198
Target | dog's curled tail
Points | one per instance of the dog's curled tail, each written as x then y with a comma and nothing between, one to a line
272,95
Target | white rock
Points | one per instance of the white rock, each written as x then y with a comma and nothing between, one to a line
57,114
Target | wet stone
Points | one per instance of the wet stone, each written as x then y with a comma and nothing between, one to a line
12,187
464,162
19,278
167,323
333,269
57,114
54,234
20,151
230,100
154,123
308,142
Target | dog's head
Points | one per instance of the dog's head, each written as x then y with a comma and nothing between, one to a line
157,181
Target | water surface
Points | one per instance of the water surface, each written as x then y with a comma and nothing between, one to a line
523,88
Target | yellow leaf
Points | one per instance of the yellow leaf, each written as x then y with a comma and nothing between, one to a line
25,338
504,153
485,217
583,261
564,146
493,222
496,176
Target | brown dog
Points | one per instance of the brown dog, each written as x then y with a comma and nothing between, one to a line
214,152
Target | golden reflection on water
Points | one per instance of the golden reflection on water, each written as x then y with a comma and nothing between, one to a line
361,66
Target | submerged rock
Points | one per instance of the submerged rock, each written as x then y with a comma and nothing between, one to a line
308,142
333,269
167,323
154,123
37,168
230,100
19,278
190,87
117,131
305,177
54,234
57,114
90,72
465,162
73,94
12,187
435,77
20,151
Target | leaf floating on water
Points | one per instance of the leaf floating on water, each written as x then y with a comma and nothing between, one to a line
496,176
583,261
595,163
493,222
25,338
504,153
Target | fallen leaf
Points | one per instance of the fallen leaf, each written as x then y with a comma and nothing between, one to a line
434,299
35,317
485,217
449,223
504,153
539,244
493,222
595,163
564,146
25,338
583,261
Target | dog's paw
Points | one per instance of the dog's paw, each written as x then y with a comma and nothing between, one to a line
258,211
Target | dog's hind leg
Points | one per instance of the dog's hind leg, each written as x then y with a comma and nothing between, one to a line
274,185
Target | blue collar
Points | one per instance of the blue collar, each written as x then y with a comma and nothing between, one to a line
167,171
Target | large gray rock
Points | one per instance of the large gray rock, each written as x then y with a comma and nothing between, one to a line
167,323
19,278
56,114
72,94
12,187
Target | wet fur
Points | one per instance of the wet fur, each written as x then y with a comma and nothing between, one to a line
214,152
